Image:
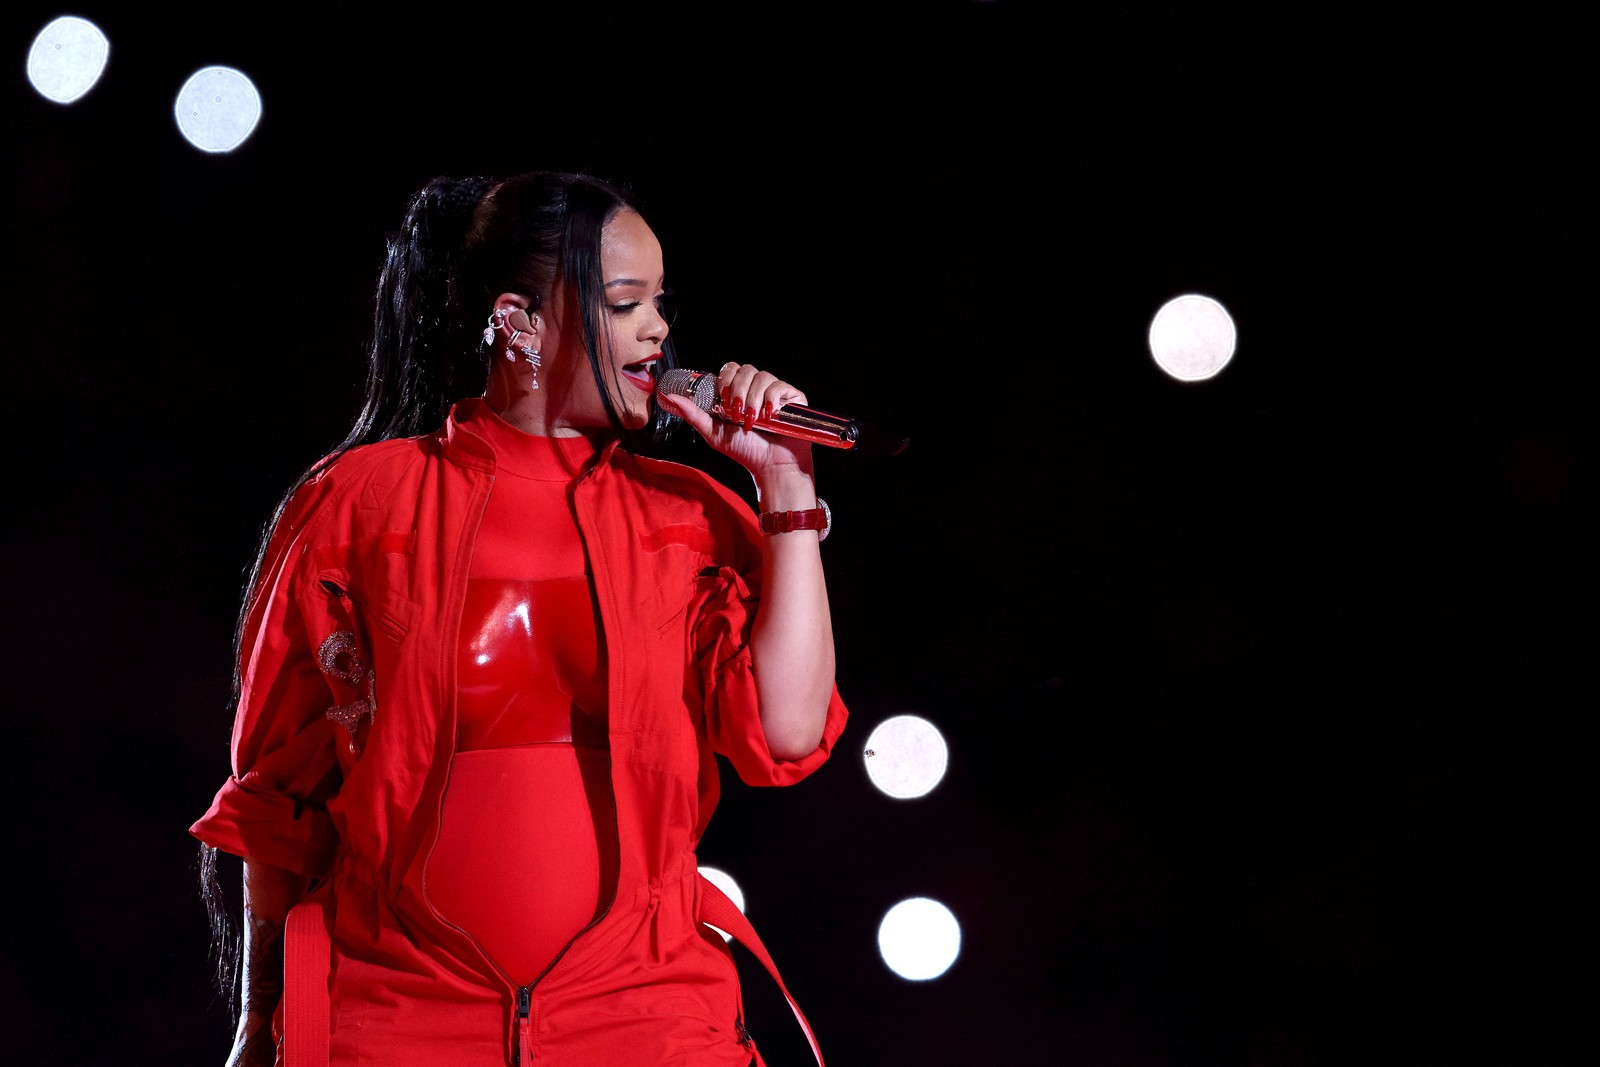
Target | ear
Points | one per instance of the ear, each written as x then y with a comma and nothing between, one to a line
512,300
520,317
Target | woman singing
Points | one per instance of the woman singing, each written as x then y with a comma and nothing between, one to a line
488,656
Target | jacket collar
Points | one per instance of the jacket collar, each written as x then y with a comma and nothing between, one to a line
470,450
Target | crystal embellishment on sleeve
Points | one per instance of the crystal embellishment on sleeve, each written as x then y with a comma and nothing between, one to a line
341,660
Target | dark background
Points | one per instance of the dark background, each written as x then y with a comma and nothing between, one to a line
1267,697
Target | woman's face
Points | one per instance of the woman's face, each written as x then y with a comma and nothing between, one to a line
632,326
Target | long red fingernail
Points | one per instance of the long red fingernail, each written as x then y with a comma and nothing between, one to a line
766,411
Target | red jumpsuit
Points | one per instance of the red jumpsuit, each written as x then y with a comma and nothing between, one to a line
340,765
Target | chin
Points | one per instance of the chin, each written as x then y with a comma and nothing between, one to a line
634,419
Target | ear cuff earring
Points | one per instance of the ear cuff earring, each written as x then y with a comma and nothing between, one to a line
498,323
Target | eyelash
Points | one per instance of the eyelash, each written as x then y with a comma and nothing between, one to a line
623,309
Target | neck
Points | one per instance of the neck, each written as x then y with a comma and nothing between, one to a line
524,408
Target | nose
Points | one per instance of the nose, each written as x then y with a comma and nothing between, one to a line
654,327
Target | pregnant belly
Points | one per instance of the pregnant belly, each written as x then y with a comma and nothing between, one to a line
527,853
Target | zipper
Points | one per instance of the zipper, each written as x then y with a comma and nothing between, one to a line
463,561
382,619
611,689
524,1026
524,994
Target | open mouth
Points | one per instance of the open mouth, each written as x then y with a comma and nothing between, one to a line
642,373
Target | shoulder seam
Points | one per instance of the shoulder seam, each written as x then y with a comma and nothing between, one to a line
348,474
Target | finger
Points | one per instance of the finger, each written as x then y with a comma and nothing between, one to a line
775,395
725,377
746,394
739,385
732,382
685,409
748,390
754,397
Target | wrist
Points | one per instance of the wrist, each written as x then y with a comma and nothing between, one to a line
819,518
786,489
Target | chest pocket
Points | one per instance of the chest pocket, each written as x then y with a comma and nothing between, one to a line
679,551
373,578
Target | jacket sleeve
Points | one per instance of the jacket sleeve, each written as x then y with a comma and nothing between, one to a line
272,809
724,609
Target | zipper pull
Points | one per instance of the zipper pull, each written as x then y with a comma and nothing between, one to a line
524,1027
744,1035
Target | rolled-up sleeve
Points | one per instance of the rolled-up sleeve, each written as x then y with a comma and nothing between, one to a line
725,606
272,808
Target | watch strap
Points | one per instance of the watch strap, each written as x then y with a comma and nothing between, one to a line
819,518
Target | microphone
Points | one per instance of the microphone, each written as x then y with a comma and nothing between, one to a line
791,420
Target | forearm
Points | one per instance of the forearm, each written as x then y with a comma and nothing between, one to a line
791,645
269,893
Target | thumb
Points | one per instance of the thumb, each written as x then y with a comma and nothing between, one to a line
685,409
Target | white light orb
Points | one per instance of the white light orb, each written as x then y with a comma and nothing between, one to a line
67,58
724,881
906,756
217,108
1192,337
919,939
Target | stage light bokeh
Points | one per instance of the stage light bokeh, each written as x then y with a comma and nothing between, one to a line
906,756
217,109
67,59
1192,337
919,938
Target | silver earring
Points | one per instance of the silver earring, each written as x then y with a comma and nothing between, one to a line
530,353
498,323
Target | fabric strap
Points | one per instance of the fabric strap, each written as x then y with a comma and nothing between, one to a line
717,910
308,962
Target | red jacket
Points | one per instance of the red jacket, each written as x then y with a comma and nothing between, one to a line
378,546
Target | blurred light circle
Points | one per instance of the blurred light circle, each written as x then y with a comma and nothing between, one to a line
67,58
217,108
1192,337
906,756
724,881
919,939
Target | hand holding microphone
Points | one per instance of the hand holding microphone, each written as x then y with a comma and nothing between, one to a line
789,420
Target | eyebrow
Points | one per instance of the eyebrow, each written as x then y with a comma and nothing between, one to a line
614,283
